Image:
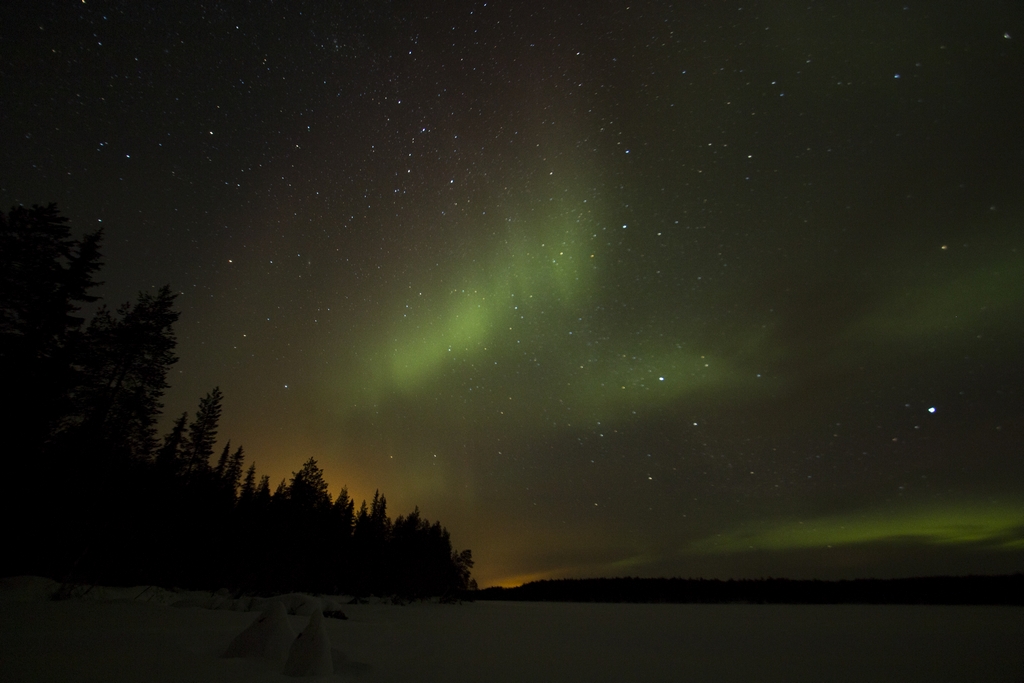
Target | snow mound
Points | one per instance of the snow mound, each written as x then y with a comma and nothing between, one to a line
270,636
311,654
294,603
220,602
154,594
242,604
299,604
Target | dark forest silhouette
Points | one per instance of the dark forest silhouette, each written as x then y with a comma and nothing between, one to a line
96,496
931,590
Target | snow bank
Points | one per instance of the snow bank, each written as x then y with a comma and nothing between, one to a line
270,636
118,640
299,604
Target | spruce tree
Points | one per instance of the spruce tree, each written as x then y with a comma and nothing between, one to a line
308,490
344,513
169,457
248,491
202,433
232,476
45,275
262,497
222,461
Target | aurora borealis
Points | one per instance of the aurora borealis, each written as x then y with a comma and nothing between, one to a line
669,289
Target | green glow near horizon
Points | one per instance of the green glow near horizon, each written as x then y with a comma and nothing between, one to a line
996,526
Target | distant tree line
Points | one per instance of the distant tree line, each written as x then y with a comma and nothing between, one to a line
95,495
932,590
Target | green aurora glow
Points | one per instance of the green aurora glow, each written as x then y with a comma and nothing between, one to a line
997,526
606,289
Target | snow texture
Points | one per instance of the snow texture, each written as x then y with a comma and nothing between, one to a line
270,636
310,654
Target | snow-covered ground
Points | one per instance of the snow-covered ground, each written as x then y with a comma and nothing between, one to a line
138,634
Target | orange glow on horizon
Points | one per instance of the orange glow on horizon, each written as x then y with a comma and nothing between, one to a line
515,580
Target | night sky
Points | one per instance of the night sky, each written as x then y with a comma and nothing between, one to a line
662,289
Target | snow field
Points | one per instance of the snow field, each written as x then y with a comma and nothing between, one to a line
118,638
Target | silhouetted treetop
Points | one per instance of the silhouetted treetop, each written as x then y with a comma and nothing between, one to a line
202,433
308,490
44,275
123,362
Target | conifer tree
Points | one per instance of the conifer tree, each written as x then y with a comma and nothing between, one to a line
222,461
262,497
362,522
344,515
308,490
248,490
380,523
232,476
123,368
463,567
45,275
228,472
202,433
168,458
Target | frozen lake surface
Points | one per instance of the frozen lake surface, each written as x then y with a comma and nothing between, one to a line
112,637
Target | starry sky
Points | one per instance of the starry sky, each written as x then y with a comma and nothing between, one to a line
662,289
